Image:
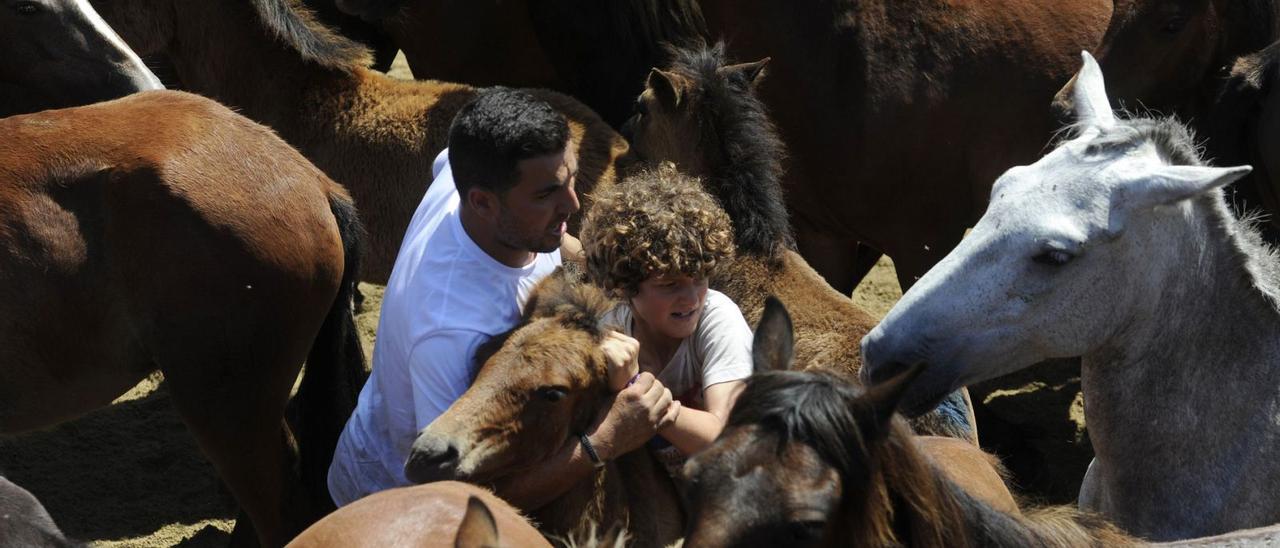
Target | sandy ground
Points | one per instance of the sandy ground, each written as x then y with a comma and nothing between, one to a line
131,475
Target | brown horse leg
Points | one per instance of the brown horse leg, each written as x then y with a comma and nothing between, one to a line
237,418
835,258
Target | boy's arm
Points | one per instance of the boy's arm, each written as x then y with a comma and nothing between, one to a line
694,429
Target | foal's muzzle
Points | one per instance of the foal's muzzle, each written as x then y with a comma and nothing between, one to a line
432,458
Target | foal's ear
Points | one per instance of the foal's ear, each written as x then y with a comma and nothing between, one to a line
478,528
773,346
1093,109
664,87
751,73
882,400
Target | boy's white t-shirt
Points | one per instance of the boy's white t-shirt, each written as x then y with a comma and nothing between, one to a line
445,298
718,351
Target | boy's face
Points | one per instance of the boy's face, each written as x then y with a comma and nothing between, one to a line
535,210
671,305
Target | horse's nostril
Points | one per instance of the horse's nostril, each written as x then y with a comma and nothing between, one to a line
431,459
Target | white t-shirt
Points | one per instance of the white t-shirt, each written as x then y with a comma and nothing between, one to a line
445,297
718,351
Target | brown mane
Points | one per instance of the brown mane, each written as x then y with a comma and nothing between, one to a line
297,27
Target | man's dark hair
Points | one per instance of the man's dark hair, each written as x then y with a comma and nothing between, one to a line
497,130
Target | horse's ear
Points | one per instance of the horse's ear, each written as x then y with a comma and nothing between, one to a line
773,346
664,87
478,528
751,73
881,402
1167,185
1093,109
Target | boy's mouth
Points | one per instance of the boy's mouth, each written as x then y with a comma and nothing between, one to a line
682,315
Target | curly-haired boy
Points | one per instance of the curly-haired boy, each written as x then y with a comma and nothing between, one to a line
652,241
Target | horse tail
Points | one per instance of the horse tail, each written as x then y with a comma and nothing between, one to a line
335,370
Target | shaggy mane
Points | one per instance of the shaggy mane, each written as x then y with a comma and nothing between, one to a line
296,27
747,176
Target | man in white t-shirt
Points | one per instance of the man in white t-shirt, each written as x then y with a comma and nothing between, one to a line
488,229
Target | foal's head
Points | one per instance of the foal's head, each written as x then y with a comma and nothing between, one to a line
680,116
538,385
799,456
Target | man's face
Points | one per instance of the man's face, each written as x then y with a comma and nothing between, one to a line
532,213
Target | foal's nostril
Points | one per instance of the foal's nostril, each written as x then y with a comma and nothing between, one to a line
431,459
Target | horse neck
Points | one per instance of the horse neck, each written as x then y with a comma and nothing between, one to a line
1205,316
225,52
927,509
633,489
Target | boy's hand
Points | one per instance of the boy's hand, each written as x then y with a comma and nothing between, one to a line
621,354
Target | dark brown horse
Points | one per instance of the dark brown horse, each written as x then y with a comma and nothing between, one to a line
808,459
440,514
702,114
597,52
900,113
25,522
60,53
544,381
164,232
375,135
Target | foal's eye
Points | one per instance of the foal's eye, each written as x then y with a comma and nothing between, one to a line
552,394
642,109
1053,257
27,8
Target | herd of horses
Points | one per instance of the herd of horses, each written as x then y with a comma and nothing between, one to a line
217,235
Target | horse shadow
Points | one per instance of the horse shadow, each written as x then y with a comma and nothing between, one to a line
121,472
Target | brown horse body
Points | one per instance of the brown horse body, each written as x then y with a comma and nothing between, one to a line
503,425
899,114
432,515
702,115
375,135
162,231
807,459
597,52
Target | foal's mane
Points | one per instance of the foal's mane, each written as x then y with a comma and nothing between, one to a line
747,175
298,29
893,495
564,296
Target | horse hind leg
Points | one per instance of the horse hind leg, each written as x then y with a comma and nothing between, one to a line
236,413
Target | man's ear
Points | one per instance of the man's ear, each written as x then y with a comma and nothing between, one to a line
485,203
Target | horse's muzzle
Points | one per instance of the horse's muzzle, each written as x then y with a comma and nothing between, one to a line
432,458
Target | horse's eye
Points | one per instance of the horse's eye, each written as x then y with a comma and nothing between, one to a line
1176,24
1053,257
27,8
642,108
552,394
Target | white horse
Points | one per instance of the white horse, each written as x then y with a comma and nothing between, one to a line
1118,247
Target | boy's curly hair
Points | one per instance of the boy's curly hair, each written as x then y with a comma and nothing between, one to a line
657,222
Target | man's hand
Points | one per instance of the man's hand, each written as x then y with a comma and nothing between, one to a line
621,354
637,413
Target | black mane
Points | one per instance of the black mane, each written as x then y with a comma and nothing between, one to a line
746,176
813,408
297,28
